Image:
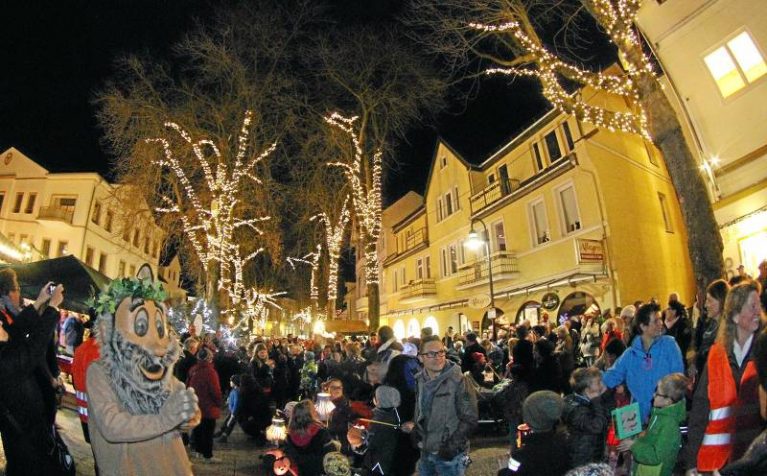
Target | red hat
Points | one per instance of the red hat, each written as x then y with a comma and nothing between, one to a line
478,357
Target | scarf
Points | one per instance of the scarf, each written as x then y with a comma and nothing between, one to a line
8,306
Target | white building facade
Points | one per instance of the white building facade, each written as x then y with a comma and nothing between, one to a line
714,55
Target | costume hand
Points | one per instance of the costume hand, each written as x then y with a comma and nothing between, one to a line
192,422
180,406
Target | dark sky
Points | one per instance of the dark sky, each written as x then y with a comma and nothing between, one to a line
56,53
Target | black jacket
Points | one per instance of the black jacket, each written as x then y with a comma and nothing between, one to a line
543,454
587,422
25,423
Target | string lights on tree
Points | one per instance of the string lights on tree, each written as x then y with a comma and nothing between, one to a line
537,61
365,194
334,237
211,229
313,260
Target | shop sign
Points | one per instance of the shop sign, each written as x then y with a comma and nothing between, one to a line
550,301
589,251
479,301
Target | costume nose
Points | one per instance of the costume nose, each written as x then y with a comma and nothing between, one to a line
158,349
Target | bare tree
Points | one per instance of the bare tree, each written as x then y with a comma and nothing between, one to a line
505,34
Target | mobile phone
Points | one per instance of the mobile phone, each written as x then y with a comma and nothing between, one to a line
51,288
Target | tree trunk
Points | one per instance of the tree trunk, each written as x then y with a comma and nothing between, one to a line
704,242
212,294
331,308
374,307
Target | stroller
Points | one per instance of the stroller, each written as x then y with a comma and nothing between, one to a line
490,413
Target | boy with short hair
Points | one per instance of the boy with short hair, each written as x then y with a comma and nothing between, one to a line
659,444
232,401
587,416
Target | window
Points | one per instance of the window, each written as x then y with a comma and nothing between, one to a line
31,203
499,237
96,215
439,209
12,237
448,204
422,268
453,258
135,239
89,252
146,245
665,211
394,282
455,199
491,179
121,269
539,165
552,146
443,269
568,136
62,250
539,223
132,270
46,247
402,279
23,238
569,206
126,233
2,200
108,221
102,263
443,162
155,249
17,204
735,64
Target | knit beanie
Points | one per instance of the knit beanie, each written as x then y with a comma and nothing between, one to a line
336,464
542,409
387,397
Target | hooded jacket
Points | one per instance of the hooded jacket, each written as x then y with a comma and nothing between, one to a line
660,443
641,371
587,422
445,422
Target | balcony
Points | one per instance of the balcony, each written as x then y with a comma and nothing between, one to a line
417,240
417,291
492,193
56,214
509,190
475,273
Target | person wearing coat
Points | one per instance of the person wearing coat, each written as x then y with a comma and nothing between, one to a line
308,441
650,358
204,380
587,416
380,449
25,334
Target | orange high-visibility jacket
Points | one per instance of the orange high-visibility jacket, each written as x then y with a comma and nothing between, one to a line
86,353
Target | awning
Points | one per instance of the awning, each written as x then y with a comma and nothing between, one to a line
569,280
81,282
340,326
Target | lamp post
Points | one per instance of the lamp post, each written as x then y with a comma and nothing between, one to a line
473,241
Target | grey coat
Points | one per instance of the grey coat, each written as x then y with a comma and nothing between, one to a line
448,422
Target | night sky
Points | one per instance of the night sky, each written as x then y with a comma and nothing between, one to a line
56,53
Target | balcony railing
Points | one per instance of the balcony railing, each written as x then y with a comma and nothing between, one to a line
414,240
56,213
492,193
504,265
418,289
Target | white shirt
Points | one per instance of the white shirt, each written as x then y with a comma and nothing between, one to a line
740,352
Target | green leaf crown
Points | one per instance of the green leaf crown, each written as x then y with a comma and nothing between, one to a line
119,289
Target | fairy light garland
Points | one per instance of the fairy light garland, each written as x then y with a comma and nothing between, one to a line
334,237
618,19
211,230
366,197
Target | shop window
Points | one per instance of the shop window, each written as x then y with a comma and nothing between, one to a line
431,321
413,328
735,64
399,329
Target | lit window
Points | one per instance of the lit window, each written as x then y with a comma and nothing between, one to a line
499,238
539,223
431,321
413,328
569,207
735,64
399,329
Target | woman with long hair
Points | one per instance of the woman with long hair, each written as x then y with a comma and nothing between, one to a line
708,325
308,440
725,411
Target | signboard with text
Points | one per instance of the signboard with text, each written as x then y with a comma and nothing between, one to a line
589,251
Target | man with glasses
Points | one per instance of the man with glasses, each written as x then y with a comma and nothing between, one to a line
445,414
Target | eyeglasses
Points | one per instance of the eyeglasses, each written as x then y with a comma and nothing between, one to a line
336,387
433,355
657,394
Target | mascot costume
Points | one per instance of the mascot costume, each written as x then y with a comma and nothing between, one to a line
137,408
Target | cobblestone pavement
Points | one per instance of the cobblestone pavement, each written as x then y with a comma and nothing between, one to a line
240,456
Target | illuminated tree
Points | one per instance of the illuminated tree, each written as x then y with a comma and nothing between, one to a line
504,34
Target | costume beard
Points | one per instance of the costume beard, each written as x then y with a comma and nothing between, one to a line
124,359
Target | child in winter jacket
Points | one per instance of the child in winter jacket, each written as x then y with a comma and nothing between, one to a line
658,446
232,402
380,444
587,416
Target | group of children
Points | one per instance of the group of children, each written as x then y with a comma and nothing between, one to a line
587,415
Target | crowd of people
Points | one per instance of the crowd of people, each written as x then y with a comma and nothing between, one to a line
698,377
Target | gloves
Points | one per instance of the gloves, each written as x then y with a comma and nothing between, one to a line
180,407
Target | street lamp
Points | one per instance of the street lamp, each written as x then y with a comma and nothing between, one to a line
473,241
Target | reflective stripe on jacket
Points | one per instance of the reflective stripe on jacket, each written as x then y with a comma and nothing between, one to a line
725,415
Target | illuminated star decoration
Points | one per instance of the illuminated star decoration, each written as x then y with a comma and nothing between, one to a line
366,195
211,230
334,237
617,16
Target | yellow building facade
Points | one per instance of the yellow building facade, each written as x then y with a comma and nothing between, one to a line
575,217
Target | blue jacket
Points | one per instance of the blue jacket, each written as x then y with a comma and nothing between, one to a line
641,371
233,400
